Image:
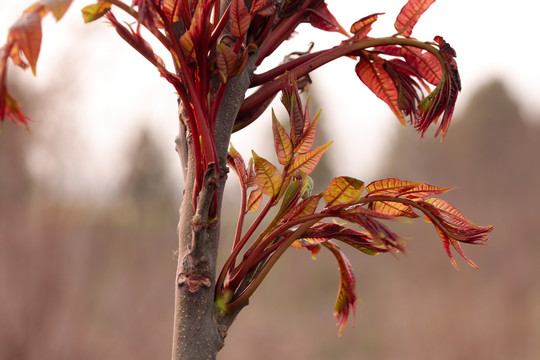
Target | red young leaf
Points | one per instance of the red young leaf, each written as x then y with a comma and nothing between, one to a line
305,207
268,177
376,78
135,39
173,9
346,299
290,98
282,142
390,186
57,7
307,244
409,189
443,98
10,108
240,18
452,227
26,35
362,27
343,190
236,162
308,138
254,200
188,46
321,18
226,61
409,15
425,63
304,164
381,234
263,7
250,175
393,208
360,240
242,61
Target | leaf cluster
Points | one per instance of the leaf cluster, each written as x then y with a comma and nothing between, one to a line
346,211
211,41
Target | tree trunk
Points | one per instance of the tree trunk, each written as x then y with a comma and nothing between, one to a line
199,328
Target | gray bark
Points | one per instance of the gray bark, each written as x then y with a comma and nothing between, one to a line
199,328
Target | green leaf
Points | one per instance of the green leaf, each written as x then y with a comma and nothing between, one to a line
343,190
267,176
291,197
93,12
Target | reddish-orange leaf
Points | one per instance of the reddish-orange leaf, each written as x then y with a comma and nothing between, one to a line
267,178
93,12
236,162
263,7
460,251
346,299
173,9
425,63
26,34
308,138
304,164
312,246
450,213
254,200
409,15
393,208
226,61
408,189
10,108
321,18
362,27
250,174
242,61
390,186
376,78
343,190
290,98
57,7
423,190
188,46
446,245
305,207
452,227
282,141
239,18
